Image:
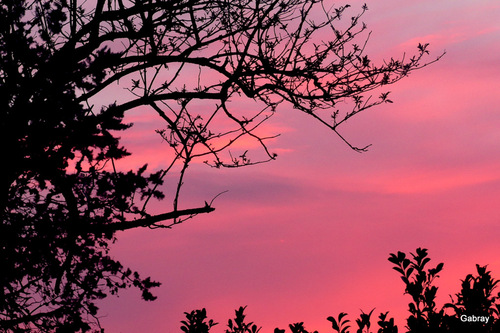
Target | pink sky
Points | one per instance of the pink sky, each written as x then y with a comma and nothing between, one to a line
308,236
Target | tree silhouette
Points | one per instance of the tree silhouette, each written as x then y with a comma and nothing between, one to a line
63,193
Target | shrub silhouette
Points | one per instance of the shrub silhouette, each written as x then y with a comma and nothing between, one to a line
465,313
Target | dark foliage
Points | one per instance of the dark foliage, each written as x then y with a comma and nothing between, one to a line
475,300
63,195
195,322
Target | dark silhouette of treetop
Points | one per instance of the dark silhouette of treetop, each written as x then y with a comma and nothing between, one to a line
475,309
63,192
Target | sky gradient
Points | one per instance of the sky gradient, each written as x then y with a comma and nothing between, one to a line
308,235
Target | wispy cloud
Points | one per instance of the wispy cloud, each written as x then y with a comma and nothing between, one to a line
316,226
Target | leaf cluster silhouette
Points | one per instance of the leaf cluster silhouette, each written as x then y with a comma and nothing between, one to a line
476,298
63,192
